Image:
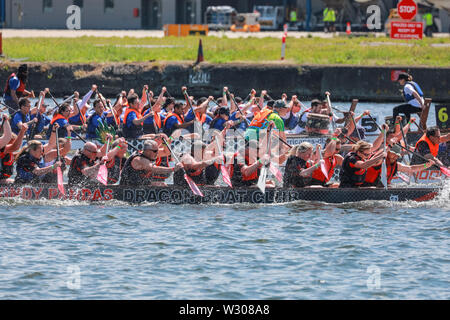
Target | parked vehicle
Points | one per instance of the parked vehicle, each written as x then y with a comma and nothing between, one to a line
220,17
271,17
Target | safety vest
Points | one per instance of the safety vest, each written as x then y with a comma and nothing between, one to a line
409,97
350,175
237,176
201,118
20,90
135,130
293,16
57,117
428,19
434,148
330,163
161,162
329,15
6,164
168,131
260,118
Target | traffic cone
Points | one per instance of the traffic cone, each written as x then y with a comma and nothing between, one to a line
349,28
200,53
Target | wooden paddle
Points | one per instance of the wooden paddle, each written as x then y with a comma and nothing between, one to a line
59,175
188,179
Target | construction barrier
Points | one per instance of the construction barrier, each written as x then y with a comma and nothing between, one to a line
183,30
1,44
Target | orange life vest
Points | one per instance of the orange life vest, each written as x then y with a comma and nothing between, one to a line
170,114
57,117
202,119
128,111
20,90
434,148
330,163
260,118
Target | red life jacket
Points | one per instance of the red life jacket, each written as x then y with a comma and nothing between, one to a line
330,163
20,90
161,162
6,164
128,111
202,119
372,174
434,148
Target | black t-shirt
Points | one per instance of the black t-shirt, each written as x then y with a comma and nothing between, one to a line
292,178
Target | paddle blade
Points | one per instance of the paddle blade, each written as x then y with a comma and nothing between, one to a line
60,181
262,179
193,186
102,175
226,176
384,175
324,169
445,171
404,177
276,172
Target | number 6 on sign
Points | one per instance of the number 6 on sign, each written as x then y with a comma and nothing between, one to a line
442,119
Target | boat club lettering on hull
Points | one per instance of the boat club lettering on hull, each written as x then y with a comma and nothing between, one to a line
34,193
228,196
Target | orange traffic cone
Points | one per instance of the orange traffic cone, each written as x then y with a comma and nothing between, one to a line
200,53
349,28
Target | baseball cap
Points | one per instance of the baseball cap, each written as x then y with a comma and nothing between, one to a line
280,104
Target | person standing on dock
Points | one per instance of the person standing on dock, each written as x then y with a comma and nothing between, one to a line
329,19
413,95
15,88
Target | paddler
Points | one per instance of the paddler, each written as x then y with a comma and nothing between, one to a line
61,117
428,146
299,166
96,119
22,116
392,166
133,120
198,165
7,156
331,158
140,167
83,167
356,163
153,124
175,120
30,164
50,157
116,159
264,117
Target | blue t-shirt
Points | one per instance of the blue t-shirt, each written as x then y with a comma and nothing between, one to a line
14,84
130,118
93,124
43,121
242,125
149,120
19,117
219,124
190,116
62,132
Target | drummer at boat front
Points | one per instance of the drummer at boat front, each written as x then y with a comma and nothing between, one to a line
140,167
428,146
356,163
413,95
30,164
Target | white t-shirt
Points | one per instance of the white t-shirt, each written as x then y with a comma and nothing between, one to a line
409,89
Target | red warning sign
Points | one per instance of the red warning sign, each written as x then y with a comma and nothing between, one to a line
406,30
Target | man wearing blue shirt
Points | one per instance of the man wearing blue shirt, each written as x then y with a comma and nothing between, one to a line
93,122
22,116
